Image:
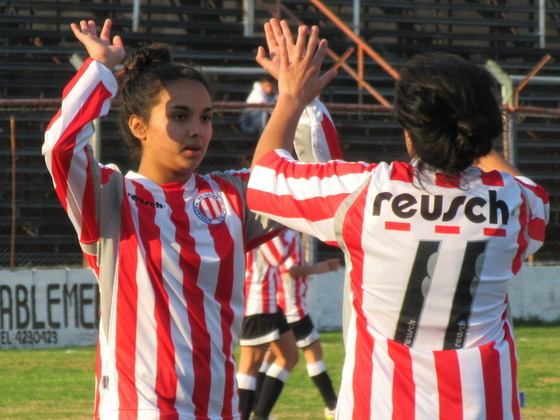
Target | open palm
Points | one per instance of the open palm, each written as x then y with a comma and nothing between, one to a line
101,48
273,31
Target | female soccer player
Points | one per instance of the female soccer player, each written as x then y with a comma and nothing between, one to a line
292,298
265,329
264,326
430,245
276,283
167,245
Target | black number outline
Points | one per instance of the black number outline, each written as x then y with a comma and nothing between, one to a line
419,282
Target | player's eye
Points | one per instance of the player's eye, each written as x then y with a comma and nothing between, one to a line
179,117
208,117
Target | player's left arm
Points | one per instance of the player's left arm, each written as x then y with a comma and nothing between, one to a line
535,198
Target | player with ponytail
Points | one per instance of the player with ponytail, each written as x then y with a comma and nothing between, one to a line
430,245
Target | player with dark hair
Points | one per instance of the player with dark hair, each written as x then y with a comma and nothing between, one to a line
430,245
167,245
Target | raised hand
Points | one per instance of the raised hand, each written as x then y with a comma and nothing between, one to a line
298,68
101,48
274,31
300,63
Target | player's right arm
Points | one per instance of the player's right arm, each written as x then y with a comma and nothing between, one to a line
299,83
69,158
321,267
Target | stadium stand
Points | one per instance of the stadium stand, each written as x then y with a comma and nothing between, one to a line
36,44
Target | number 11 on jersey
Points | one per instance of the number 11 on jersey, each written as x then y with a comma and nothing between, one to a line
419,285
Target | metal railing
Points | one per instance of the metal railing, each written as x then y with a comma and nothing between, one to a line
376,134
518,136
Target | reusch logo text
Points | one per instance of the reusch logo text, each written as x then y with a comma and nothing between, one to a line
433,207
140,200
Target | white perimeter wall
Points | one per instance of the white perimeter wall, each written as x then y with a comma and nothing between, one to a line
59,307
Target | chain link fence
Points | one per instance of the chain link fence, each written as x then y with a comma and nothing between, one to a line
36,232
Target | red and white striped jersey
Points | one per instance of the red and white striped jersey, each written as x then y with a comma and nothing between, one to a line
170,263
292,291
262,276
429,264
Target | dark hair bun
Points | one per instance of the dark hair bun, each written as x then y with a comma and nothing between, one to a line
449,108
147,57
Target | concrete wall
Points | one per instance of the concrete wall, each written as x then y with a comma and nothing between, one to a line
48,308
59,307
535,293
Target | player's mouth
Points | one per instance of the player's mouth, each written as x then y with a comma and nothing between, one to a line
192,151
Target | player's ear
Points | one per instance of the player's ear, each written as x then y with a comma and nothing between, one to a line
137,127
409,146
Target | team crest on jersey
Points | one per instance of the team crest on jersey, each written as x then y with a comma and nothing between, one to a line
210,208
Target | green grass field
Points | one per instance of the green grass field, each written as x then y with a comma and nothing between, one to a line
57,384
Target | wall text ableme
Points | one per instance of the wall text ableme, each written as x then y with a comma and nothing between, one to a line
43,313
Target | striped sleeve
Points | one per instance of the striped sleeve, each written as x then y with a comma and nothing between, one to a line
277,250
316,137
76,175
303,196
538,207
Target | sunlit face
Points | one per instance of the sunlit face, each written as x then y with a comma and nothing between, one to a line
176,137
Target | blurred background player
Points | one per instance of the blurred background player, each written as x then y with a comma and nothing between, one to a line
292,298
260,385
264,327
253,120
